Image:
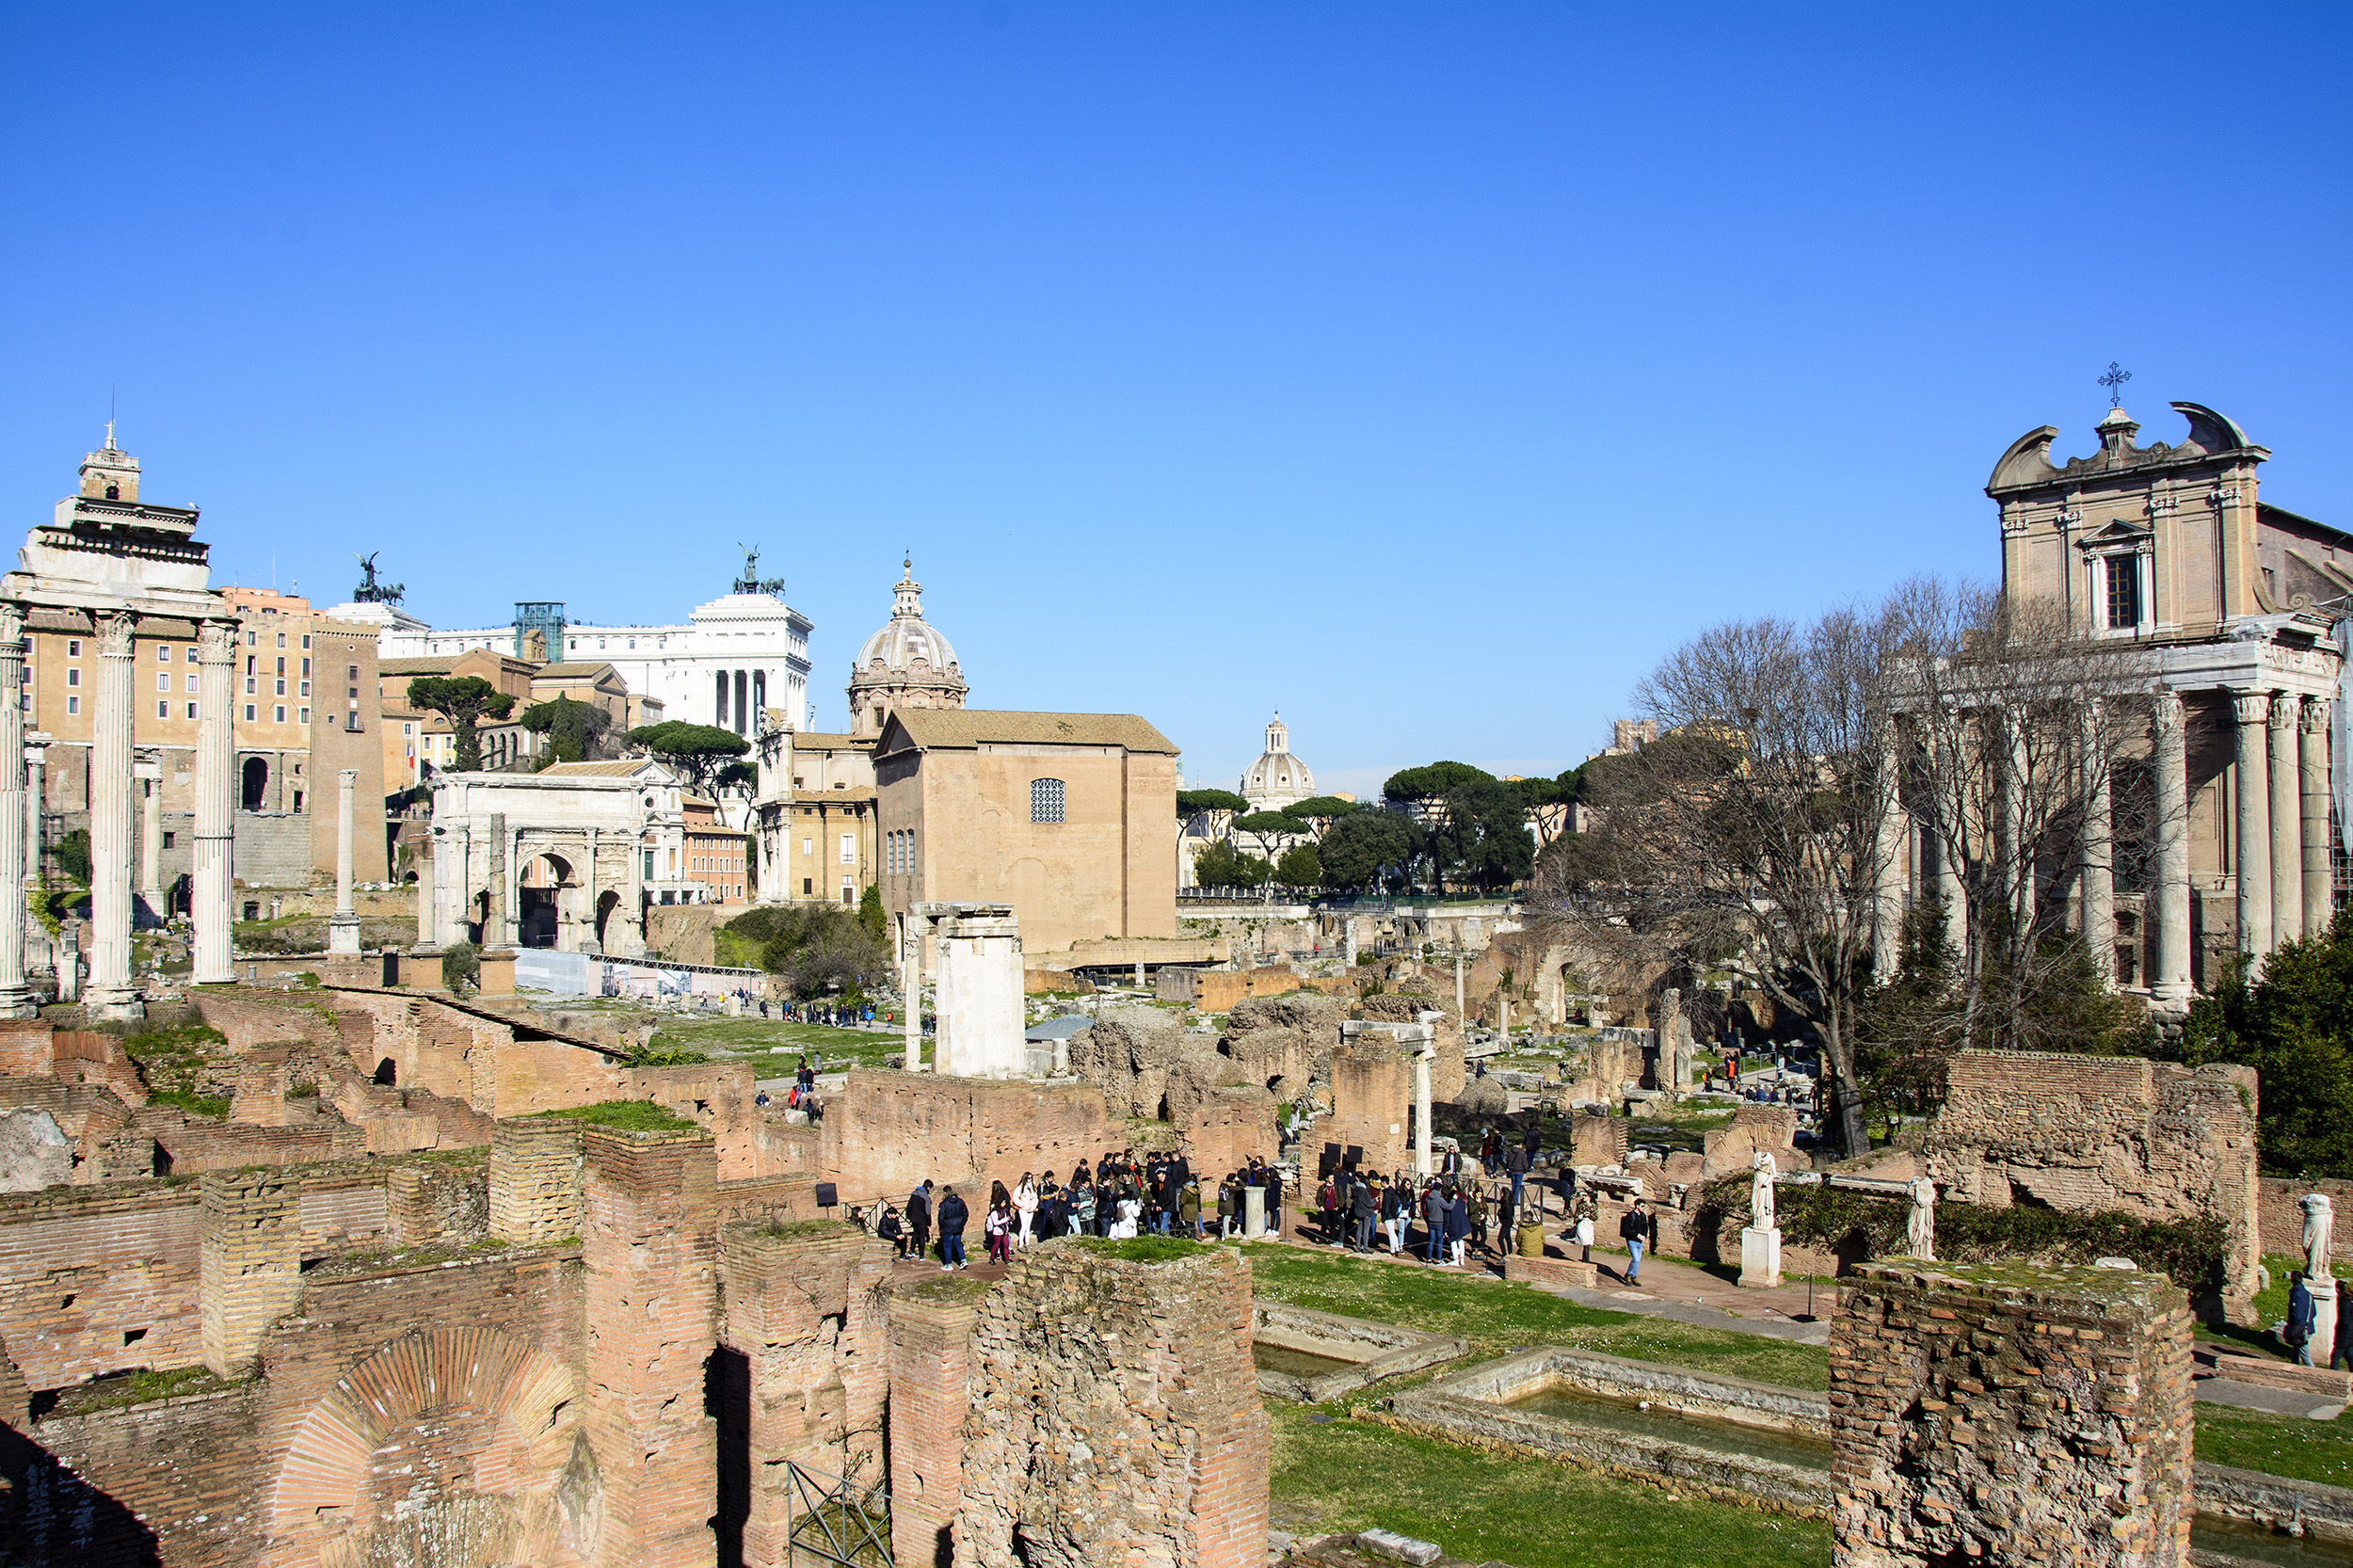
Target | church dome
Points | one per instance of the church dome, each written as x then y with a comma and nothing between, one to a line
1278,778
906,664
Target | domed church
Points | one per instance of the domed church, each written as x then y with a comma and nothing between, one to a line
1278,778
906,664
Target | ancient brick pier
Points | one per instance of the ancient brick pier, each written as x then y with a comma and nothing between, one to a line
2010,1415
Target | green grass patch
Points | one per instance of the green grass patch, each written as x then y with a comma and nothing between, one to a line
119,1390
1141,1249
723,1038
1528,1512
625,1116
2276,1445
948,1290
1495,1317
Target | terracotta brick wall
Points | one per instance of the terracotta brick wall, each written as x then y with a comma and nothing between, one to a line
251,1264
1372,1089
534,1180
892,1129
931,1328
87,1488
2010,1415
428,1201
651,1305
2280,1222
82,1267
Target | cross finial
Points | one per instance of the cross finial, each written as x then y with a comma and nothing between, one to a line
2114,380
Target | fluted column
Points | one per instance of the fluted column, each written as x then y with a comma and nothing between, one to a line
2170,882
40,950
451,890
111,993
2317,893
2287,823
2098,883
151,840
1951,894
911,986
16,998
342,929
2251,777
2017,858
210,887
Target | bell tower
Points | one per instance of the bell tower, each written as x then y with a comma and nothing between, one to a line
110,473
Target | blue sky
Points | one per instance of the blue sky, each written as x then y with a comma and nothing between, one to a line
1425,371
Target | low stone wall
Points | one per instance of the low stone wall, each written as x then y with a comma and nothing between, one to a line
1473,1407
1379,1349
2280,1224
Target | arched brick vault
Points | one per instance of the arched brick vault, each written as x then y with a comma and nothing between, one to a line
533,1402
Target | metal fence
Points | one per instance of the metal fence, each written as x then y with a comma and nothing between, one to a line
827,1519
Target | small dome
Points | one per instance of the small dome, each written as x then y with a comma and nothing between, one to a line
1278,778
906,664
908,637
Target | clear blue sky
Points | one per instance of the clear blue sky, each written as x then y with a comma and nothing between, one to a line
1424,370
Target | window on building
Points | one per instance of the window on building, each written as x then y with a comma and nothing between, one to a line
73,648
189,655
249,713
306,669
163,653
163,710
191,708
170,838
848,894
281,689
1046,800
252,639
72,704
808,886
2123,590
849,849
281,714
306,716
190,680
808,846
306,690
74,678
306,639
163,681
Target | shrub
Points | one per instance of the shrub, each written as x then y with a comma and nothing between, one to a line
461,966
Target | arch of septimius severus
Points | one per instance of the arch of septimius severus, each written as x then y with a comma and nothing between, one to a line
2230,613
123,568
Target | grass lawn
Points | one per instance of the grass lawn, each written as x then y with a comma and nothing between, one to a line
1495,1317
842,1047
1529,1512
2276,1445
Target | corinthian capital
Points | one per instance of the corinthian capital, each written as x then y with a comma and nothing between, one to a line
114,635
2251,706
2315,717
213,640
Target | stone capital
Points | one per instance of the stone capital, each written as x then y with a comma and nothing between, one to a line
114,629
2251,706
2165,709
2315,717
11,628
214,641
2284,706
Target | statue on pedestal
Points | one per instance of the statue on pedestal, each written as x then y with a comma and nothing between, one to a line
2320,1222
1920,1225
1761,1193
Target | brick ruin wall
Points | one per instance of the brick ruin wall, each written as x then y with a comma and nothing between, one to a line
930,1362
1372,1088
2084,1134
2010,1415
1115,1417
893,1130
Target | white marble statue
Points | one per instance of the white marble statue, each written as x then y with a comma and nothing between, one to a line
1761,1193
1920,1225
2320,1221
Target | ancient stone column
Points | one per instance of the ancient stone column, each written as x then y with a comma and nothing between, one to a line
151,840
2017,860
216,757
497,929
343,929
2170,890
2252,777
16,998
452,855
1423,1163
2314,763
911,986
1950,894
588,884
1887,888
2099,876
111,994
1460,1011
2287,823
40,951
633,908
427,893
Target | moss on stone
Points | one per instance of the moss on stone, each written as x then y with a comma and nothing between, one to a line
946,1291
621,1116
1144,1249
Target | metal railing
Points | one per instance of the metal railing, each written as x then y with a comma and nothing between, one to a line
827,1519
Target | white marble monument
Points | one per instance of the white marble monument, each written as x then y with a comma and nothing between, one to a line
1760,1242
976,989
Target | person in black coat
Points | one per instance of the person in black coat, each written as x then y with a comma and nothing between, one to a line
953,1215
1634,1230
920,1221
1360,1210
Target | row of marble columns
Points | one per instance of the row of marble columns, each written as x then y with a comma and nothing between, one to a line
2281,858
112,992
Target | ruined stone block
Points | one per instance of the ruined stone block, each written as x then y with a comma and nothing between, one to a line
249,1263
535,1180
2011,1413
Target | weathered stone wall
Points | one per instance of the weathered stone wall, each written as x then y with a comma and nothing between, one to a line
1371,1101
892,1129
1127,1054
1753,1129
931,1330
1116,1417
535,1180
802,1369
2088,1133
2010,1415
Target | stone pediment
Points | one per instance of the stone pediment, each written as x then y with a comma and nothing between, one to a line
2027,463
2117,533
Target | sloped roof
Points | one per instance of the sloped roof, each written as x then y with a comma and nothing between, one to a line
819,739
956,728
574,669
624,768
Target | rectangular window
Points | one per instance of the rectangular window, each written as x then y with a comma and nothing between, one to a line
190,679
163,653
1046,800
282,668
163,710
188,654
306,690
2123,590
849,849
306,639
306,669
73,648
649,865
191,710
74,678
249,713
72,704
306,716
163,681
281,690
251,639
170,838
808,886
808,846
249,686
281,714
281,639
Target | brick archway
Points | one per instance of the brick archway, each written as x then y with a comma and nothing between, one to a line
495,1416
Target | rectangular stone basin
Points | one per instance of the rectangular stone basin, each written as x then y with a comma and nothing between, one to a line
1317,1356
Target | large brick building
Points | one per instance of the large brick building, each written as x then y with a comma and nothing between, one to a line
1070,818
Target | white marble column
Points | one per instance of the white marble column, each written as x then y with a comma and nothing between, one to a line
590,937
39,951
1952,895
2169,881
911,986
16,998
342,929
2017,858
2287,823
2098,883
2251,777
1887,886
632,912
111,993
2313,755
428,891
151,840
1424,1164
211,887
452,893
